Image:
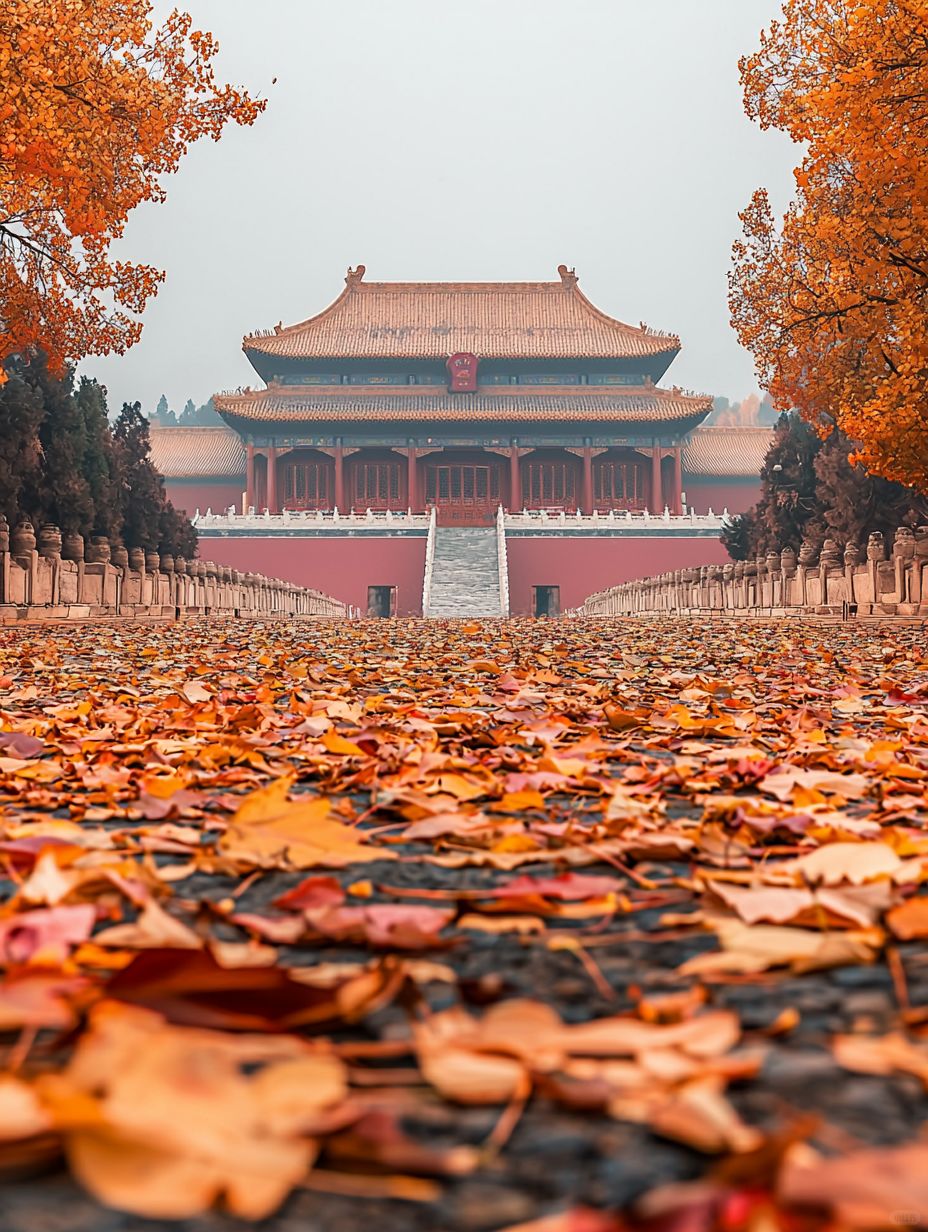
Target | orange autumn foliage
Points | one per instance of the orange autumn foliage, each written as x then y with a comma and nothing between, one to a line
97,105
833,298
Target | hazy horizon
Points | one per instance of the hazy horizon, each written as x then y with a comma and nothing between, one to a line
476,140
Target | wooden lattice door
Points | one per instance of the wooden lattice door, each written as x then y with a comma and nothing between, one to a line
465,493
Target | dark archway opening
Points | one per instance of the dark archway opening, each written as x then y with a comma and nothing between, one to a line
381,601
547,600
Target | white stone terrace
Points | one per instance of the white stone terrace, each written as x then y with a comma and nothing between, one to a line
626,522
528,522
308,522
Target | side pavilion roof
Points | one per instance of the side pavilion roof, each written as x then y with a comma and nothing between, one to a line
737,452
192,453
432,320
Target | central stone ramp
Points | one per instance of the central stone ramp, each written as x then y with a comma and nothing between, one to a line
465,573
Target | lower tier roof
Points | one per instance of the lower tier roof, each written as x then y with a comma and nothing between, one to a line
415,404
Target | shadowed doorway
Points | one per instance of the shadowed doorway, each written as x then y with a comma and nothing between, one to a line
547,600
381,601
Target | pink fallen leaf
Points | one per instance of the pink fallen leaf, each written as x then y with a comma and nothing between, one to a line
869,1189
45,935
568,887
383,924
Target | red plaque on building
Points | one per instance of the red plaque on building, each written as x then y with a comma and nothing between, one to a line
462,369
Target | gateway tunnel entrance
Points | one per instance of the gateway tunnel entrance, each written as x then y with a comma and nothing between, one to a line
546,600
381,601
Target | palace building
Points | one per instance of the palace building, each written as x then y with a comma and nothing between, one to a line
403,398
464,396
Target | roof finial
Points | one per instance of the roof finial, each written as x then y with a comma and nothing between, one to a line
354,276
568,276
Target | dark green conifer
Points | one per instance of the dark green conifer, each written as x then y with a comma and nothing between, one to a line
21,411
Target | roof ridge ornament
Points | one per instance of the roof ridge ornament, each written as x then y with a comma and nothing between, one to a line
568,276
354,276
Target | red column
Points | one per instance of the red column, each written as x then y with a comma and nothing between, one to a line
412,494
515,481
587,505
678,480
657,496
250,477
339,479
272,479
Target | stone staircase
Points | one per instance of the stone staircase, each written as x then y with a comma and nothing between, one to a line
465,573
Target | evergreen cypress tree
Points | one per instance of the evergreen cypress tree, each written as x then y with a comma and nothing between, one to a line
61,462
140,487
788,499
810,491
100,464
164,417
199,416
21,411
208,415
149,519
63,494
738,536
854,503
177,533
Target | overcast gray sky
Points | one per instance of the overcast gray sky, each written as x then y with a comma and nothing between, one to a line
459,140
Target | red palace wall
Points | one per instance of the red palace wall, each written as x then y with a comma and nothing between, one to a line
341,567
202,494
583,566
718,494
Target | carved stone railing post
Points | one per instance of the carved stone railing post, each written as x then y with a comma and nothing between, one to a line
4,560
903,556
830,567
49,549
57,575
788,569
774,579
804,566
920,569
876,553
851,564
23,552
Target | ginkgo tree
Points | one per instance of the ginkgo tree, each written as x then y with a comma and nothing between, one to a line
97,105
832,299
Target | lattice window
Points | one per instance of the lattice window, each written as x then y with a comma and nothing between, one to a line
550,485
307,485
618,485
462,484
377,485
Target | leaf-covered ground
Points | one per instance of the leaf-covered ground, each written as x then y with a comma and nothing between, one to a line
568,926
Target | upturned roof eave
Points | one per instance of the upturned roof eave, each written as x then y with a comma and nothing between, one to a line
631,342
523,429
258,410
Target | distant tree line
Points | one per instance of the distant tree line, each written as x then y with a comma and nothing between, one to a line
750,412
63,462
192,416
812,491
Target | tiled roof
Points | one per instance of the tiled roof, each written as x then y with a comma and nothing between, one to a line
507,404
431,320
732,452
197,453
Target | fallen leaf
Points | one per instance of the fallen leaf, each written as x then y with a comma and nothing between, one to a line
271,831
